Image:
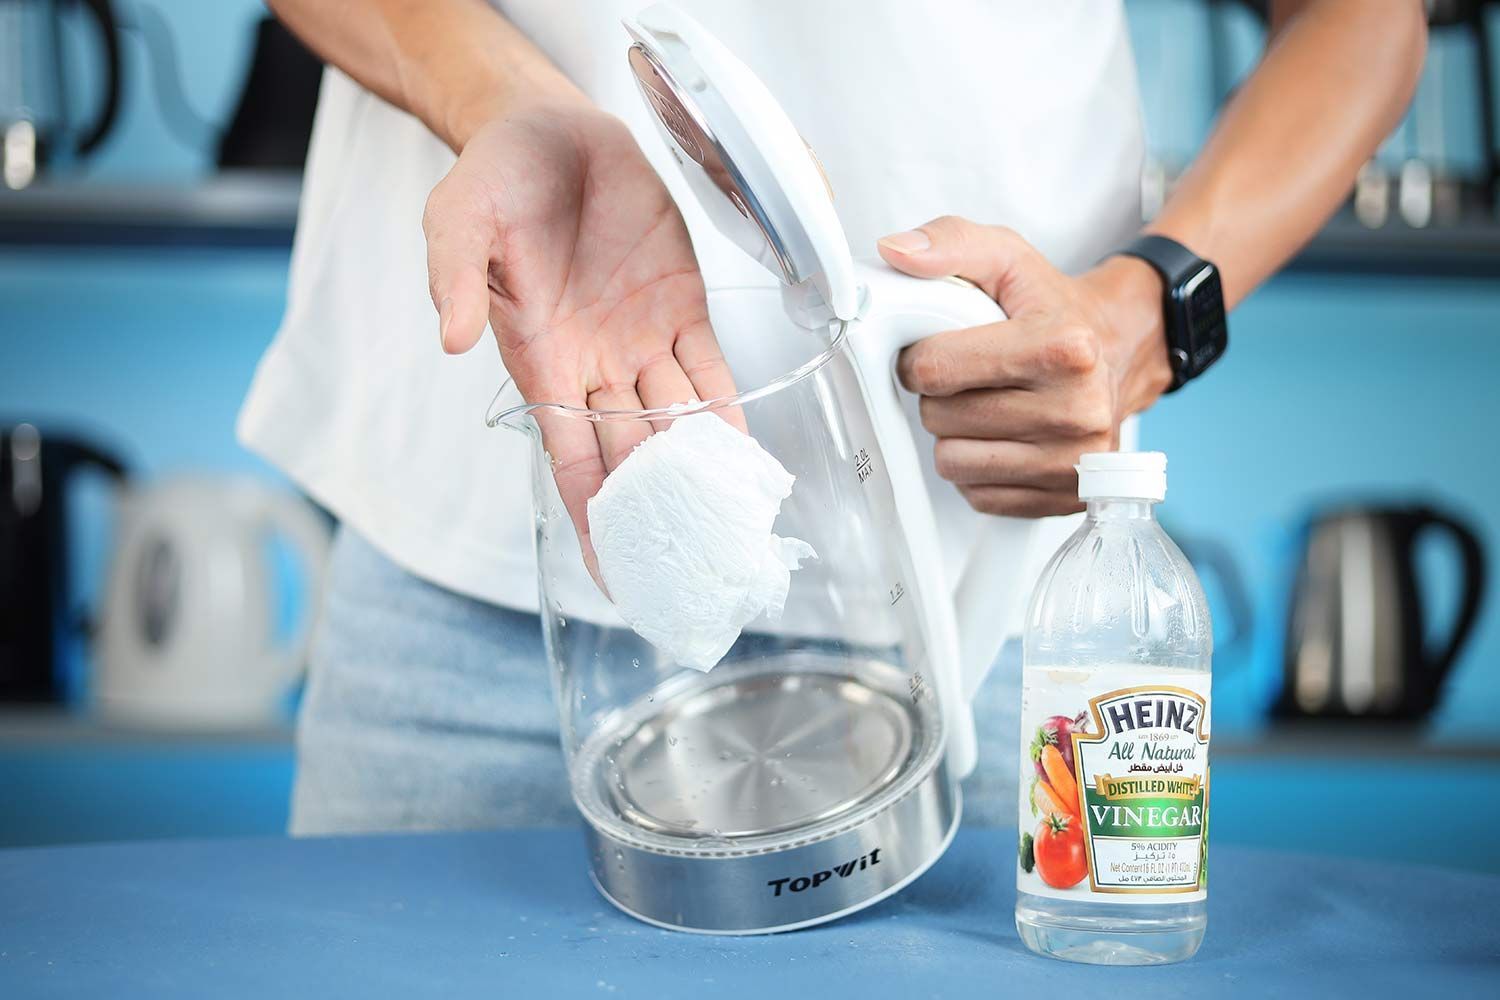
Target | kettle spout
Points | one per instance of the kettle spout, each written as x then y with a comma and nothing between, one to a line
510,410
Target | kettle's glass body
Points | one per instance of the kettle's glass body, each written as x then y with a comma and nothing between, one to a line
804,775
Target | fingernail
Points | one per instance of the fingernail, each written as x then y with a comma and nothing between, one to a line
445,316
913,241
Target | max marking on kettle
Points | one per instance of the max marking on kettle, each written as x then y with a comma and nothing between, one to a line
804,882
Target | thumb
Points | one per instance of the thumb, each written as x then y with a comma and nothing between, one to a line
995,258
459,248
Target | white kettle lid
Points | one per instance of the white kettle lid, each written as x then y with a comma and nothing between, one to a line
755,176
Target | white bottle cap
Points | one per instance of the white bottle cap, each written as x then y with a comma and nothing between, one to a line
1134,475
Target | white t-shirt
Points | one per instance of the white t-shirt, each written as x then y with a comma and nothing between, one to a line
1004,111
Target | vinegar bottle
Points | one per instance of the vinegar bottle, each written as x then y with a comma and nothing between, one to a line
1112,860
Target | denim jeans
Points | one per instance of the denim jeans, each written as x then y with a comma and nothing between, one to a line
428,710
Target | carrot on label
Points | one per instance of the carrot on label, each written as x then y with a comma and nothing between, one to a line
1051,802
1057,775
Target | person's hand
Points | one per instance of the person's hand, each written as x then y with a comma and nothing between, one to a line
554,227
1014,404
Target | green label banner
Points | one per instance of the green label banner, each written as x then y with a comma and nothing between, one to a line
1148,818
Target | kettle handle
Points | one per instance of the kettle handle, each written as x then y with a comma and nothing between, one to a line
305,528
966,631
1435,668
77,453
1214,556
103,13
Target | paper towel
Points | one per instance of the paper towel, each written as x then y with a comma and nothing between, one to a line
682,532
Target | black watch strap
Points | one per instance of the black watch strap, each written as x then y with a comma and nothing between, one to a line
1172,260
1192,305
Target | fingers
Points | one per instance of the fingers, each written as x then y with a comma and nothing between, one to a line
995,258
617,438
573,447
1017,353
702,362
1018,478
1021,501
662,383
1019,415
967,462
460,246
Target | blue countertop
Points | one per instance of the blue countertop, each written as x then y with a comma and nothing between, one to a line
513,914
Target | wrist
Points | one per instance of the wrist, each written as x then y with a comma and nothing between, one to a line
542,87
1130,294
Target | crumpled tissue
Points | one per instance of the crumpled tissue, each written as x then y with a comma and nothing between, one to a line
682,532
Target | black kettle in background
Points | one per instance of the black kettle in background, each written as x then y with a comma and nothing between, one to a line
37,86
1355,639
35,471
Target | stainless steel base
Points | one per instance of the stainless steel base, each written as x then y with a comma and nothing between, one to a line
779,792
784,889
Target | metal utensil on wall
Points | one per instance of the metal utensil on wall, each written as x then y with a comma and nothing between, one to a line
1355,640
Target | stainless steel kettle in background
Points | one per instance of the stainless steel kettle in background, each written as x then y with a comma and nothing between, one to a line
1356,643
188,637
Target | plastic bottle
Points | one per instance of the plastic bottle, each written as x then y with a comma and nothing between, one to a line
1112,860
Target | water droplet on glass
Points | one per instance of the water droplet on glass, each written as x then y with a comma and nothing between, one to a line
671,741
650,697
724,755
635,661
562,622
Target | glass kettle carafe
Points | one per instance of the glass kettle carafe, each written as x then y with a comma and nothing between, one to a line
820,743
814,769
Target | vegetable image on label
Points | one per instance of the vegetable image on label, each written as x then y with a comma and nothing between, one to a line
1053,789
1060,857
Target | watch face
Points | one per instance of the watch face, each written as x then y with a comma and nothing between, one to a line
1208,332
1201,301
1204,297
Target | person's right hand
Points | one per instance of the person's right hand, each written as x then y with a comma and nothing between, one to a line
554,227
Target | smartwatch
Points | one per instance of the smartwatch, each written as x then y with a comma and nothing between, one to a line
1192,306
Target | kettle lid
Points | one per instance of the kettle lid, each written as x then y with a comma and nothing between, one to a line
755,176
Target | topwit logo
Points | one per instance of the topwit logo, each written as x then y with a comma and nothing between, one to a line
802,883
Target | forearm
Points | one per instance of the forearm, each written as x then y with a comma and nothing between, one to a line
453,63
1335,79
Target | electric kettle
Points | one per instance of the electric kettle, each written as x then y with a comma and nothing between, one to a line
815,769
37,130
188,638
1356,639
38,621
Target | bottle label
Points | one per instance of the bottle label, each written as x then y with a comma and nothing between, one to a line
1114,785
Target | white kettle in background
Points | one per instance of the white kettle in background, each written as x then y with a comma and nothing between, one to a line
187,638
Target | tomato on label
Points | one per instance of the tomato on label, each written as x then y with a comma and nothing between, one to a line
1058,846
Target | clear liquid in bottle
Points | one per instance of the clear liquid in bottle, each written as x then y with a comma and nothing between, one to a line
1112,859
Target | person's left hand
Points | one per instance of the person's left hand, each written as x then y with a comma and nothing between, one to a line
1014,404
